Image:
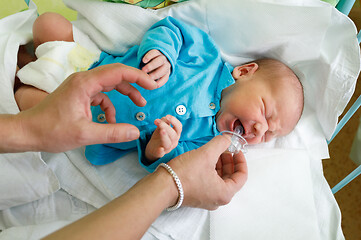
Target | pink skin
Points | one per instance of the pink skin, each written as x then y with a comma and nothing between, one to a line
157,66
264,108
165,138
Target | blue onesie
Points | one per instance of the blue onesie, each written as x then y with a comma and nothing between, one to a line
192,93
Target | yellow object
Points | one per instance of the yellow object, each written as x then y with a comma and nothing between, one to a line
8,7
81,58
153,4
55,6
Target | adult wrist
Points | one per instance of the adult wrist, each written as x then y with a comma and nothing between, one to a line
172,190
28,137
178,183
13,139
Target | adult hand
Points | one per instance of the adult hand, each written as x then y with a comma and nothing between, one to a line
63,121
209,175
205,186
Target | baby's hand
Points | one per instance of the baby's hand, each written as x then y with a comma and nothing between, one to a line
164,139
157,66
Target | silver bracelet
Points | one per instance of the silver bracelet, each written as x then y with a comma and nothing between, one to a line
179,186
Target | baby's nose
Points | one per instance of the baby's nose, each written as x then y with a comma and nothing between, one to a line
260,128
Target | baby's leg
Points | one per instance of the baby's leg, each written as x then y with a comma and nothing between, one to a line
47,27
28,96
52,27
25,55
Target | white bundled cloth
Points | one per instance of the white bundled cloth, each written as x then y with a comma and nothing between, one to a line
286,196
56,61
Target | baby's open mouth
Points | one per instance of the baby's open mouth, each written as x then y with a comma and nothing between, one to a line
237,126
238,142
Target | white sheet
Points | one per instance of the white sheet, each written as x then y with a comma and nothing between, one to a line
47,74
284,195
308,49
24,171
263,193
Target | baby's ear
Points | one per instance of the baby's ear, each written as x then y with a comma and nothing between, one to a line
244,70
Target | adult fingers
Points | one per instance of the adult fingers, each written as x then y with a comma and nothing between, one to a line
130,91
107,77
216,147
219,167
227,165
240,162
234,174
106,105
240,174
96,133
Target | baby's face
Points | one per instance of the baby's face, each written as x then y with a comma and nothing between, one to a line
264,110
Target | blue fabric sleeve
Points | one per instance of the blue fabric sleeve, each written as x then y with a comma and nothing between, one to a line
182,147
167,36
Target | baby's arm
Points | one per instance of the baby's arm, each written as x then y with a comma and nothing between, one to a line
157,66
166,36
164,139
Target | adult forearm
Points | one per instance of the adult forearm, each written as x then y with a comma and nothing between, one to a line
209,180
128,216
12,138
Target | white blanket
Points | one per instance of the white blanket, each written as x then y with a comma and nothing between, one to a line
311,37
306,41
268,206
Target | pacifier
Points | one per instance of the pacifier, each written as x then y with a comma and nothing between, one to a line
238,143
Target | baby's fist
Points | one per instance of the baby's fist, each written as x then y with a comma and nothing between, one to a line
157,66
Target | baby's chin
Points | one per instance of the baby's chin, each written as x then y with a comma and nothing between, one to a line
255,140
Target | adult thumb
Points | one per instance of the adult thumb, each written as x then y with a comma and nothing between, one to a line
113,133
217,145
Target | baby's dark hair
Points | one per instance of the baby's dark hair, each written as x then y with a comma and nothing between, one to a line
276,69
